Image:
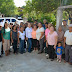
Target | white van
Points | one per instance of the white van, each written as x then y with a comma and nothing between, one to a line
10,20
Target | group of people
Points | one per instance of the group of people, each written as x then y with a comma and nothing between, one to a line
37,37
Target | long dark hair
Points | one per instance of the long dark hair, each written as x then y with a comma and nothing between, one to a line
4,27
13,27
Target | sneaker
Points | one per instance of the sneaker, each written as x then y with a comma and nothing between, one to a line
52,59
33,51
57,59
47,56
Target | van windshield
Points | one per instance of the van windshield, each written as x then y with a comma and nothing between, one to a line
8,20
1,20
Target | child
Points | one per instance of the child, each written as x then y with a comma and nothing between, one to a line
59,49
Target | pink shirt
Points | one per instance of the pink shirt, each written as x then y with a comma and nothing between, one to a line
46,32
51,38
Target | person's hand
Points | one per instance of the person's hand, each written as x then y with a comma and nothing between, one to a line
3,41
54,47
47,45
18,41
44,40
39,39
64,45
26,38
12,41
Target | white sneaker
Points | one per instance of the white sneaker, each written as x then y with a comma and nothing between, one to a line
47,56
33,51
57,59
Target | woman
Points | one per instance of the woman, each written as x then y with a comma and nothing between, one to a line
29,37
46,33
34,40
14,38
60,35
6,38
40,36
52,42
21,38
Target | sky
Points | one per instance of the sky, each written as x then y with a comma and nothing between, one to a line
19,3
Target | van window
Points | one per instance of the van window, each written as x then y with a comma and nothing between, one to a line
8,20
1,20
13,20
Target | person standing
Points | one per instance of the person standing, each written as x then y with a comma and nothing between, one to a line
60,35
29,37
14,38
40,36
68,45
52,42
44,21
21,38
34,40
6,38
64,26
46,33
59,49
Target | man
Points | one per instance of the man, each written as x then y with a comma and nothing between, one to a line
44,21
65,26
68,45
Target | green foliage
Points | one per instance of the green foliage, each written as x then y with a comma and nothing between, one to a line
7,7
44,9
49,17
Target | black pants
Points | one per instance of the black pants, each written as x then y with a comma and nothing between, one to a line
51,51
15,46
34,43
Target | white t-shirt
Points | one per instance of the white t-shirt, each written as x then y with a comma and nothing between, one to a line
68,36
22,35
38,33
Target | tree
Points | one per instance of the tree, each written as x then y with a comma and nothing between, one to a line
7,7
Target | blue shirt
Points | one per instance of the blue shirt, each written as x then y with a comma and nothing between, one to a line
59,50
44,26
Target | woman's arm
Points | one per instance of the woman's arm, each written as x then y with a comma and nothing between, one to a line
11,37
42,33
18,37
56,39
64,41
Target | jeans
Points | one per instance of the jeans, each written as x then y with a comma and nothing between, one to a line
21,47
68,53
41,42
0,47
15,46
30,44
